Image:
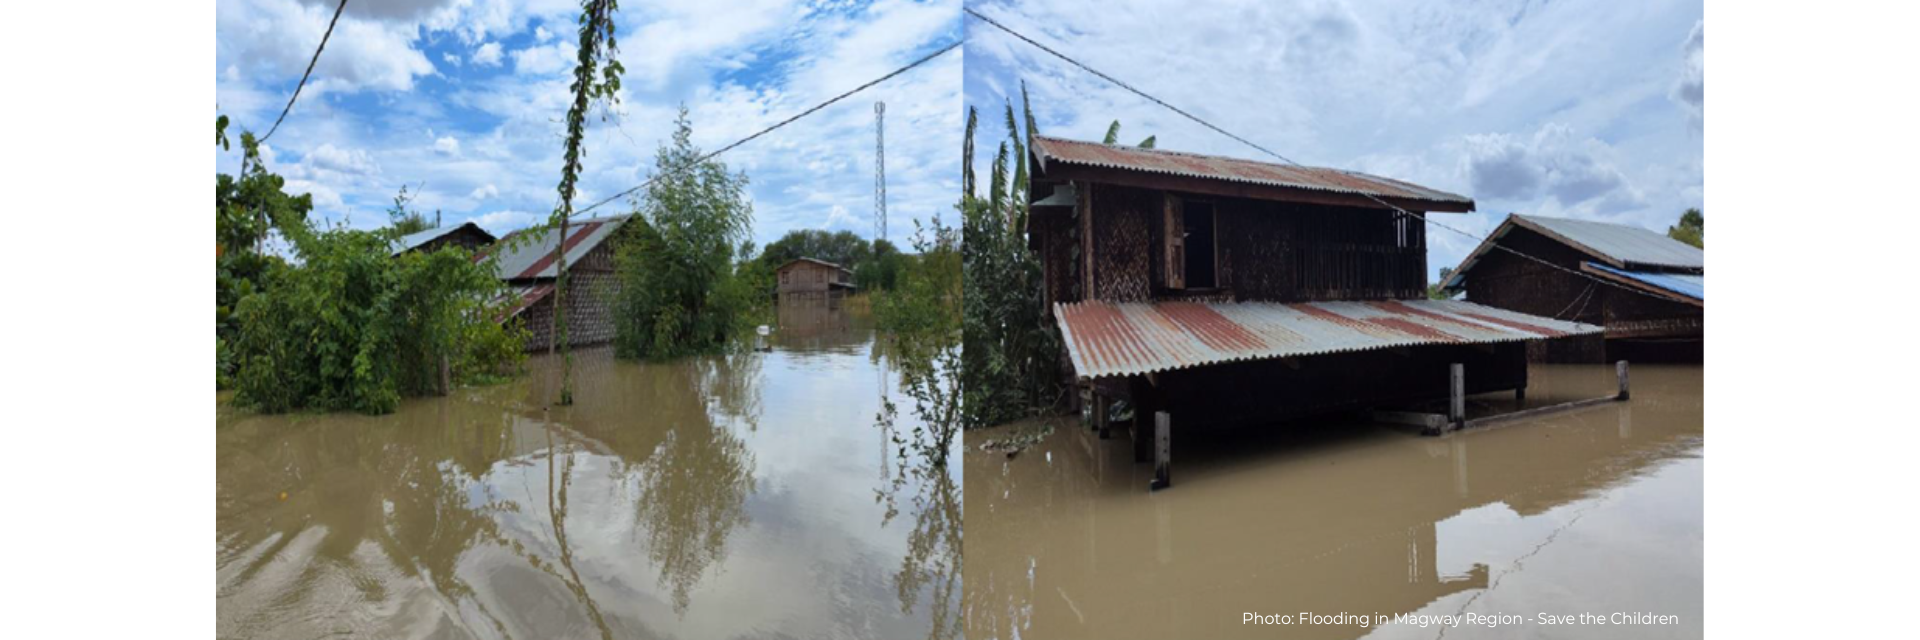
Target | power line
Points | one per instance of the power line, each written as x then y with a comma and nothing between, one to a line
1116,81
910,66
303,77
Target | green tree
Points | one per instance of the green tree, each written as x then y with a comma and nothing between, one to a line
247,208
1691,230
1434,291
596,76
404,220
682,290
844,248
1010,366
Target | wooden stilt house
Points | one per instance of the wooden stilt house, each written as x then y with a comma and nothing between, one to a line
810,280
1231,292
1648,290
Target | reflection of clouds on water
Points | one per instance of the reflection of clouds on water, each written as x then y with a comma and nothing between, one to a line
1570,511
706,497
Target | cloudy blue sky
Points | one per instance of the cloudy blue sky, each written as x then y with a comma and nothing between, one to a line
1582,109
463,102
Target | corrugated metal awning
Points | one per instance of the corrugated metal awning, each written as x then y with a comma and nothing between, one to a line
1131,338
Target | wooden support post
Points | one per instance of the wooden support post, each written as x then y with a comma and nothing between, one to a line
1162,438
1144,404
1620,368
1457,405
1101,418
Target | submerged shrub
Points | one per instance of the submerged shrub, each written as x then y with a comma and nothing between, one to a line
351,327
682,290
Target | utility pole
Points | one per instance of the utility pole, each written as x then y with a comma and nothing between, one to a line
879,171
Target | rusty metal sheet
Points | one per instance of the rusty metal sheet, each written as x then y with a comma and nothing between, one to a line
1132,338
519,298
533,258
1233,170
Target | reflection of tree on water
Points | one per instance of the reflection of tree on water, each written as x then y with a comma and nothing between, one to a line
557,514
932,563
691,476
933,554
693,492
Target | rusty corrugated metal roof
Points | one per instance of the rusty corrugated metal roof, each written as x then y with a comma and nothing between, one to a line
1131,338
518,298
1194,165
532,258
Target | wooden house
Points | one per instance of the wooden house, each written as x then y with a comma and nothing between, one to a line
807,279
531,274
465,235
1646,289
1232,292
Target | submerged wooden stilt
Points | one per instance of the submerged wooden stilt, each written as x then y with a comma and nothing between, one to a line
1620,368
1101,418
1162,475
1457,403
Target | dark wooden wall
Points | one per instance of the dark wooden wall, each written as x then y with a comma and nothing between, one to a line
1269,251
1503,280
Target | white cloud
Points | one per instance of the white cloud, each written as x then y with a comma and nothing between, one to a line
837,216
350,162
484,191
278,37
451,58
542,34
447,146
546,59
488,55
1691,89
1553,163
505,220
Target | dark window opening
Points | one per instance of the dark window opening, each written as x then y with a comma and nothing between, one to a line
1199,245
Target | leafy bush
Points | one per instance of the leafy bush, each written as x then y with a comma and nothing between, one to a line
352,327
681,289
1011,366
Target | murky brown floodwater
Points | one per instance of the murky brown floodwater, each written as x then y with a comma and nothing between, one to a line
1595,511
735,496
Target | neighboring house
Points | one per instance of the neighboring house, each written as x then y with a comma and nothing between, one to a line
810,279
1657,313
1227,291
466,235
531,272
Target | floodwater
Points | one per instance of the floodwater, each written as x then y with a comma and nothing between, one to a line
747,495
1595,511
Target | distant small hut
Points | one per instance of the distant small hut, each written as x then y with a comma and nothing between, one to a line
807,279
1224,291
1656,312
465,235
531,273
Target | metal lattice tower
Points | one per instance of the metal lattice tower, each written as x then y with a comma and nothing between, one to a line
879,170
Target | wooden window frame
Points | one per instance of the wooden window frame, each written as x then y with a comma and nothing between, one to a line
1174,245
